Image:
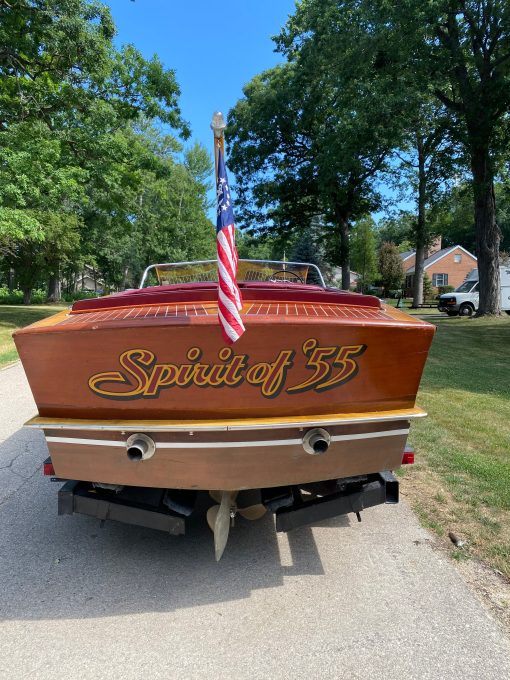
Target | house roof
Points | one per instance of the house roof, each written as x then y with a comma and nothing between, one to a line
437,256
407,254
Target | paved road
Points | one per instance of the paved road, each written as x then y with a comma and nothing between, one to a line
339,600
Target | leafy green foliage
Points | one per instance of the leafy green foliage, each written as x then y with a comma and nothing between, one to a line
146,207
453,218
363,252
310,136
428,288
15,297
390,267
397,230
86,175
270,152
364,79
257,247
306,250
461,50
445,289
58,61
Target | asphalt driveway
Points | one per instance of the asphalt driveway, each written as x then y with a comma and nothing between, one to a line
338,600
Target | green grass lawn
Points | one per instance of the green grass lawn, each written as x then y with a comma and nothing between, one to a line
405,307
13,317
461,481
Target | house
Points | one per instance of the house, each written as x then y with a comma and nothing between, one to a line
444,266
88,281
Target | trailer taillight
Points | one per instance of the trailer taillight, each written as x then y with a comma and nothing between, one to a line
408,457
48,469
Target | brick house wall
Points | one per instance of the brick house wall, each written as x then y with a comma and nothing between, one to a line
456,271
449,270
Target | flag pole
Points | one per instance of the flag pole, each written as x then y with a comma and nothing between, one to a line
218,126
230,302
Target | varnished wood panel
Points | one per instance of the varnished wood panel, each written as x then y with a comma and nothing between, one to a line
142,425
227,468
388,371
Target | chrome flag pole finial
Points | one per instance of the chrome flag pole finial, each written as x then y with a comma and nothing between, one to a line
218,124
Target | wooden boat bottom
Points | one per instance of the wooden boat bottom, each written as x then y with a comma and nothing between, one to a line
227,460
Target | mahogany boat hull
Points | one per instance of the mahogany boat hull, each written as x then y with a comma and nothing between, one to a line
184,371
165,361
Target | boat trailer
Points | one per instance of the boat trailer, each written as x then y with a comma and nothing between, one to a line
169,510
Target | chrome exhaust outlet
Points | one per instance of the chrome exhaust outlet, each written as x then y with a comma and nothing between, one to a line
140,447
316,441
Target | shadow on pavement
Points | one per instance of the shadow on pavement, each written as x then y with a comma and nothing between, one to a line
70,567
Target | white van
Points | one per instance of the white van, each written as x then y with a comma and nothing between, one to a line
464,299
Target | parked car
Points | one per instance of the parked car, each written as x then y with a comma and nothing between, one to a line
464,299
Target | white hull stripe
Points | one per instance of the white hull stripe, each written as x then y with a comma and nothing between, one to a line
227,445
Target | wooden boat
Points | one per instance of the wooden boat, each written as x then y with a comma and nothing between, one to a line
137,388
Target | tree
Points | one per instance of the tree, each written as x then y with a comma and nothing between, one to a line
342,34
397,230
34,259
363,249
287,176
310,136
306,249
428,288
333,45
270,153
452,216
71,161
427,162
257,247
147,207
41,194
58,59
33,174
461,49
390,267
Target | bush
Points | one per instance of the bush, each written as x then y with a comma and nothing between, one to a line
39,296
15,297
79,295
445,289
375,290
428,288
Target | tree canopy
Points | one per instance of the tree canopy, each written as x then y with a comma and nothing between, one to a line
96,168
366,84
91,167
310,137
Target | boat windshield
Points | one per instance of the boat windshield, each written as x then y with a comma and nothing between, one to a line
247,270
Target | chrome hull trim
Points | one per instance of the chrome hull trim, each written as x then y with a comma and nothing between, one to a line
226,445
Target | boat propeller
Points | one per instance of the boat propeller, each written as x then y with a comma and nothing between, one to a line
221,517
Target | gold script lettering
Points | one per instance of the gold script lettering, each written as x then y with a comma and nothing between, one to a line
143,377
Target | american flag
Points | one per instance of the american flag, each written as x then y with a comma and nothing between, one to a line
229,297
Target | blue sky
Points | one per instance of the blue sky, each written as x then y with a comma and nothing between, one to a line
214,48
213,51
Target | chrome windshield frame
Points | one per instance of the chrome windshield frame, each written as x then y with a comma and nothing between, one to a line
278,262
